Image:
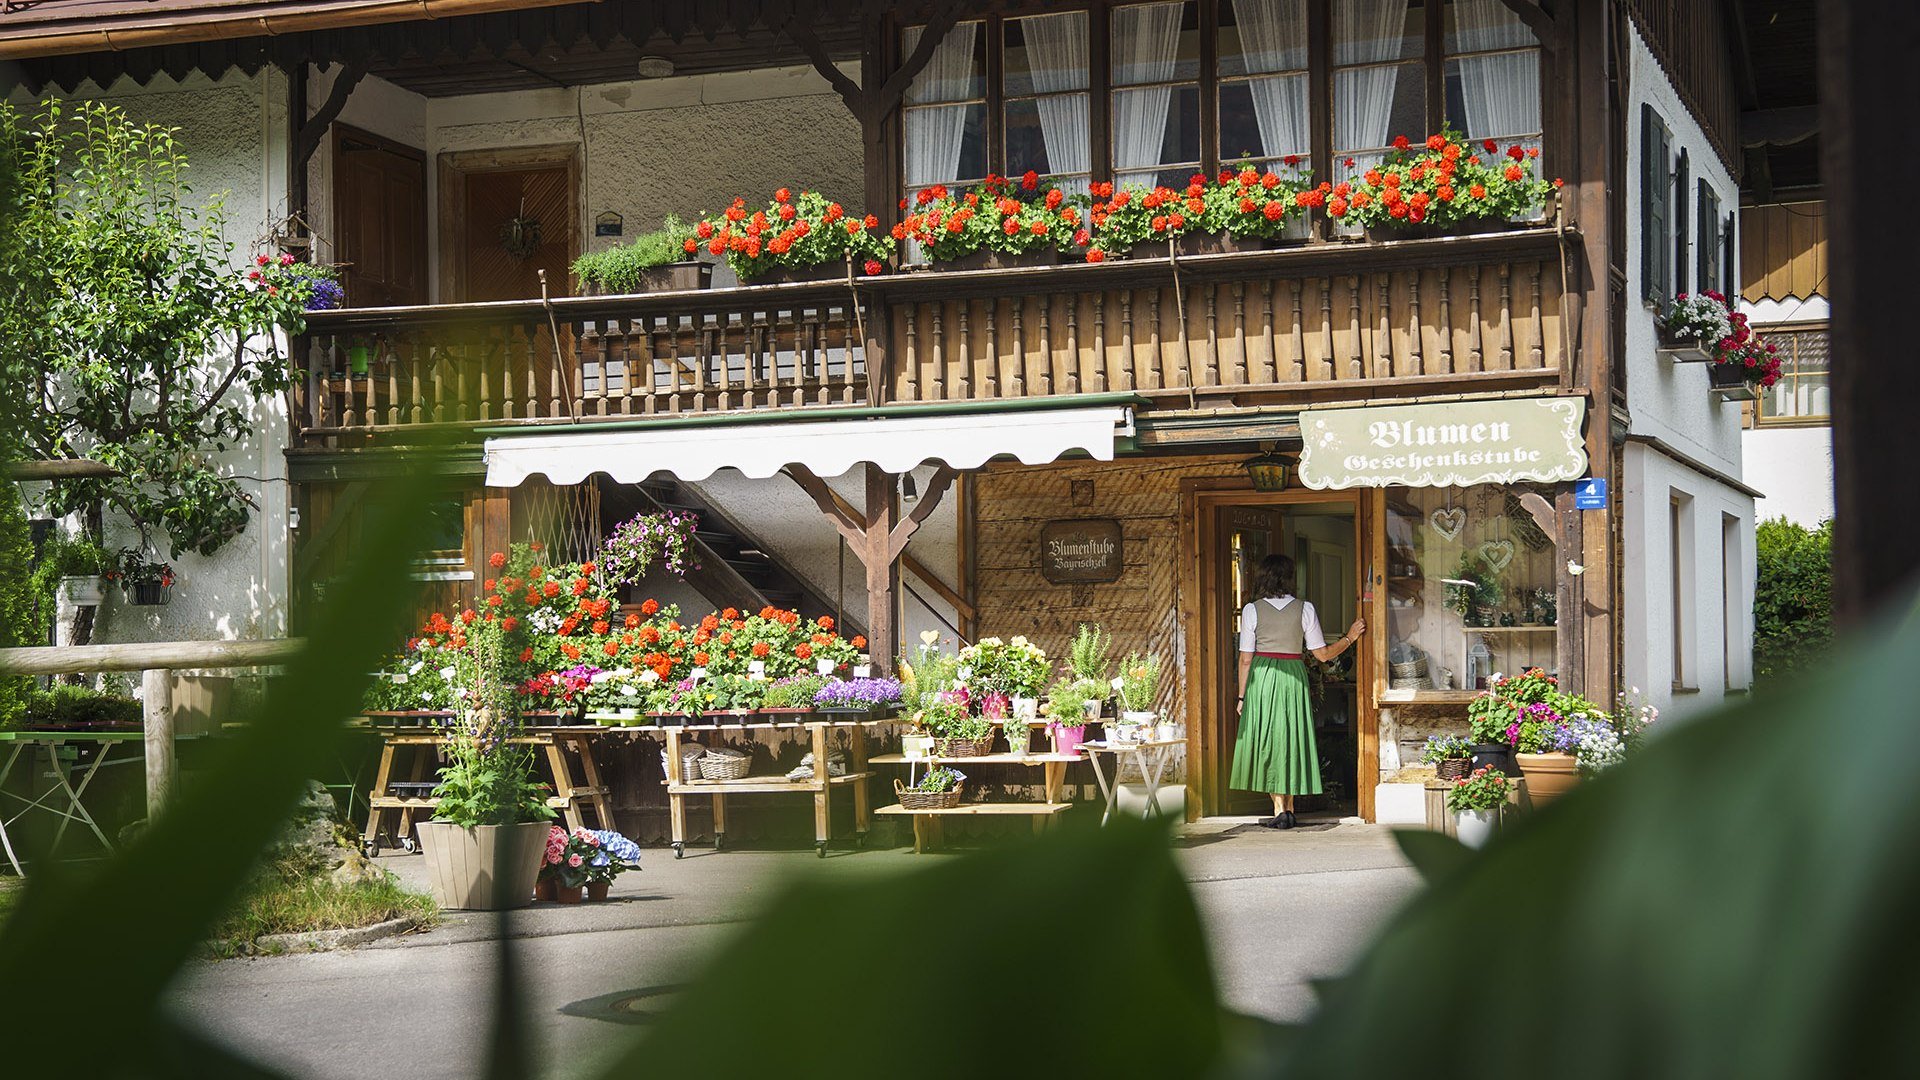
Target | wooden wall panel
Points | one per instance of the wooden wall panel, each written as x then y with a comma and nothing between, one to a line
1783,251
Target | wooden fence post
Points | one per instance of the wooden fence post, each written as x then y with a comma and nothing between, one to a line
157,705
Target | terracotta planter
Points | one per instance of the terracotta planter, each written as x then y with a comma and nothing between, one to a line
1549,776
566,894
543,889
597,890
485,868
995,260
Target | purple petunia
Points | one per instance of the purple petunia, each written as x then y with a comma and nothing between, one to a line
326,295
857,693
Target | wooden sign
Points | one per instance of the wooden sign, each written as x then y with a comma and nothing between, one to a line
1081,552
1450,444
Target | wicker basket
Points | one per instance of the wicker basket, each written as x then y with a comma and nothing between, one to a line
1452,768
1412,669
961,748
719,765
926,800
1409,684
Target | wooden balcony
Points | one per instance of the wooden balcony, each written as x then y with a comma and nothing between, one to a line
1308,323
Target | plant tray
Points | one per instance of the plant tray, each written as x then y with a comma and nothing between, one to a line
861,714
1728,384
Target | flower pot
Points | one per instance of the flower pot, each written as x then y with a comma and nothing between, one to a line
566,894
543,889
1476,226
1025,708
1474,827
1067,740
1123,734
789,275
985,259
1451,768
359,358
86,591
1018,737
1682,350
995,707
1728,382
1549,776
148,593
1498,755
485,868
1168,732
597,890
1145,718
676,277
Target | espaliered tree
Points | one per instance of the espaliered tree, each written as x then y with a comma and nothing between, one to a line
139,336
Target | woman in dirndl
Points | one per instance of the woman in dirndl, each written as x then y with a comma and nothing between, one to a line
1275,752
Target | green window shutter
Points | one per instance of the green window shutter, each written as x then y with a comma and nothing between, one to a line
1728,266
1709,243
1682,197
1656,194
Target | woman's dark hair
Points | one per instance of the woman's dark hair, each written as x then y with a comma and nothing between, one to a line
1274,577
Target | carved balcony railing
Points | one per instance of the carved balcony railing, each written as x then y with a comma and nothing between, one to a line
1309,322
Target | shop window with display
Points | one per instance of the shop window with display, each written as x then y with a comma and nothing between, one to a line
1470,587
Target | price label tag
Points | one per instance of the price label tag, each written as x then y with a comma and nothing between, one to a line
697,674
916,747
863,671
757,668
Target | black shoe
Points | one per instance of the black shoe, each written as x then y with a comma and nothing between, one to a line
1285,820
1273,822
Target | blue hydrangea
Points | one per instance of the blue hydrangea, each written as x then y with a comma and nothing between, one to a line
618,848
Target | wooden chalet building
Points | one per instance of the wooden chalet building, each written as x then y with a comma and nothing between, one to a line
934,424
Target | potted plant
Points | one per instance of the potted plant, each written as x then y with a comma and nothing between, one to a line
1449,755
865,697
144,581
1067,715
1743,364
1000,671
1558,741
74,569
1693,326
1476,800
663,260
1138,685
1088,660
929,673
1443,185
955,733
613,855
1246,209
997,223
793,694
811,238
938,790
485,844
1474,591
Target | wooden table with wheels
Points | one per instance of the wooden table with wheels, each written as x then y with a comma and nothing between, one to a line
1152,757
821,786
412,794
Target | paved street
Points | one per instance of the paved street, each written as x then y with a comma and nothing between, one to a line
1281,908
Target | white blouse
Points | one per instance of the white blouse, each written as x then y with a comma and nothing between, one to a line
1309,622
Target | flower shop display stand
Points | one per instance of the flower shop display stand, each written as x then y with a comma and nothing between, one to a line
926,823
409,796
821,786
1054,779
1441,820
1152,757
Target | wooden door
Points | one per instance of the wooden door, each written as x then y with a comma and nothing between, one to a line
379,219
507,215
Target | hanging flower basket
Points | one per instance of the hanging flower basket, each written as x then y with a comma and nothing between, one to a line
149,593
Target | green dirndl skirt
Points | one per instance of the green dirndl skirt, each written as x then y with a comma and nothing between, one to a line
1275,751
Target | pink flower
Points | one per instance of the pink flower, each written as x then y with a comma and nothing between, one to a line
553,858
574,861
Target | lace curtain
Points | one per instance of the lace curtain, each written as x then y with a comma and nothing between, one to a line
1366,32
1146,47
1501,92
936,133
1057,55
1273,35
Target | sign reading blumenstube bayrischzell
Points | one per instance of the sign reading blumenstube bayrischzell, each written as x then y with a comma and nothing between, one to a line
1081,552
1448,444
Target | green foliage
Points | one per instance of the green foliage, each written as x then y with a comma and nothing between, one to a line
1792,598
302,904
939,780
127,310
488,778
25,607
793,692
1067,702
928,673
1475,585
1485,788
1087,657
619,269
1140,682
63,705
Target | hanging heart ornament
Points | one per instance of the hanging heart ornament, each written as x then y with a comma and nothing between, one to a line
1448,521
1497,553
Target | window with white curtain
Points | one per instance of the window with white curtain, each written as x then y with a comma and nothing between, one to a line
1379,79
1048,129
945,116
1156,93
1263,81
1493,74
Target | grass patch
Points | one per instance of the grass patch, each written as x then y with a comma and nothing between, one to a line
11,889
278,906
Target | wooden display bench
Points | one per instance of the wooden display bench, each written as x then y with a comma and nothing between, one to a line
419,746
927,823
821,786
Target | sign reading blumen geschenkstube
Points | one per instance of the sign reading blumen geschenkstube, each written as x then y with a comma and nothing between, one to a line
1447,444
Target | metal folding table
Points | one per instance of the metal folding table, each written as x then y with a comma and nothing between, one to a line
65,798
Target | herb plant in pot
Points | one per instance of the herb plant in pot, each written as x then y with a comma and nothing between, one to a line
938,790
1067,715
659,261
487,840
1139,690
1476,800
956,734
74,569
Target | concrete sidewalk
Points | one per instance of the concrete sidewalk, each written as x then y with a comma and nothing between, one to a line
1281,909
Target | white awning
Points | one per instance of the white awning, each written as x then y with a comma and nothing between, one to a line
897,443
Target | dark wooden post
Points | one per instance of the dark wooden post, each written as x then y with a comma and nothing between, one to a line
1865,68
883,571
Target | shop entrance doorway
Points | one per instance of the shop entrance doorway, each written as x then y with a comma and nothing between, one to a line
1323,532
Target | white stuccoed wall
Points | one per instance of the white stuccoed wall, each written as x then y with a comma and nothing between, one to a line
233,130
1792,465
1670,402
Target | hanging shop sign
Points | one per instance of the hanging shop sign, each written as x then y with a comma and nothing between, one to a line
1447,444
1081,552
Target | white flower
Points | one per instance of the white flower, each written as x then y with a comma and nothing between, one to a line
992,642
634,691
1019,641
449,672
600,677
649,676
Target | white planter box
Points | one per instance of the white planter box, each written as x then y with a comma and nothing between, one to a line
83,591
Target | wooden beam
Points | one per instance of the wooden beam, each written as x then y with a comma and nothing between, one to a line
1779,127
312,129
940,588
883,571
156,716
60,469
147,656
839,515
1542,513
1537,21
929,502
